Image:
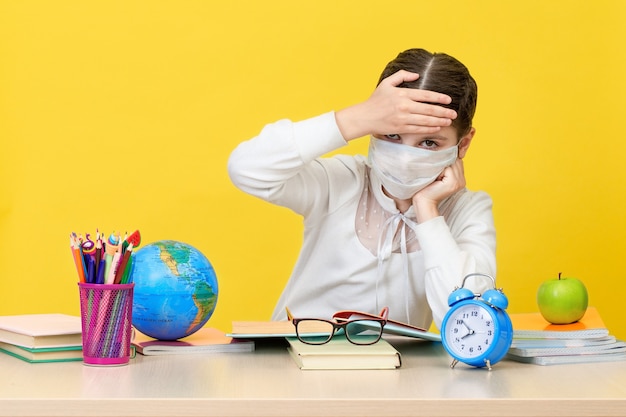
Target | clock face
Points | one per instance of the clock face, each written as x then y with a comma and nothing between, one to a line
470,330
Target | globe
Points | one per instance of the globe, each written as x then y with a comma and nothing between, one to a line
175,290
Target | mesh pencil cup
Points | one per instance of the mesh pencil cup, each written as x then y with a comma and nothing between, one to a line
106,315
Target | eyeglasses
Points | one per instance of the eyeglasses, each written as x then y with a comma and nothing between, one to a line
365,330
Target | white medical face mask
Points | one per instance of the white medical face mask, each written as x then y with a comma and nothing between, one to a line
404,170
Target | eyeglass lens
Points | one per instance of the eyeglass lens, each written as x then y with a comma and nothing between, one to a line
360,332
364,332
315,332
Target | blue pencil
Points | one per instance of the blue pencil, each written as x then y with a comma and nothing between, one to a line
91,269
100,273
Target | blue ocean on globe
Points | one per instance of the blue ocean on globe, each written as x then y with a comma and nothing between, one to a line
175,290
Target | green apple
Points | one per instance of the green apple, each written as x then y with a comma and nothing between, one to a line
562,300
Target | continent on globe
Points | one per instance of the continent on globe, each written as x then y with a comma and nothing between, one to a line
175,290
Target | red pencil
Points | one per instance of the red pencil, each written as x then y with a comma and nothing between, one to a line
98,256
122,265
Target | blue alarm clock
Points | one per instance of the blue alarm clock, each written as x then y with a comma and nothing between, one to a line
477,330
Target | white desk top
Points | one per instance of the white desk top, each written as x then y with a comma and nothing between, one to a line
268,383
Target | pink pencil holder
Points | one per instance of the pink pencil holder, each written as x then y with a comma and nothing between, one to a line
106,313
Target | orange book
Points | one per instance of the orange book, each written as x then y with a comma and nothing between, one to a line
534,326
260,329
205,340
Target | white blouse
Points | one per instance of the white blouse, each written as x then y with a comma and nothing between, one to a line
359,252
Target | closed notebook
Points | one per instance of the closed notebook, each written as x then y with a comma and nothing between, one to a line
570,359
561,343
534,326
339,353
205,340
599,349
41,330
38,355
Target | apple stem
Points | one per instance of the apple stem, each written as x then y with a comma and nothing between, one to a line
560,275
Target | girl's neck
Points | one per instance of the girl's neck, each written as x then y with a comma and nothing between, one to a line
402,205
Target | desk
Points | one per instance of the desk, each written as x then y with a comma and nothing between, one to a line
268,383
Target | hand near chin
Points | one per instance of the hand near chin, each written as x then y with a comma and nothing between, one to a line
426,202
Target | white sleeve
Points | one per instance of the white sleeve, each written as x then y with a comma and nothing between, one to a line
280,165
456,247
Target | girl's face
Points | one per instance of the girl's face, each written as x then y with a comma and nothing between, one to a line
445,138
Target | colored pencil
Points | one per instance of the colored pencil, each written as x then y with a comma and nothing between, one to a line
122,266
78,259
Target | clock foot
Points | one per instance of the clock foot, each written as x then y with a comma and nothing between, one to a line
454,362
488,363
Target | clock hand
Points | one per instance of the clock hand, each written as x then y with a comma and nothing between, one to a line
469,331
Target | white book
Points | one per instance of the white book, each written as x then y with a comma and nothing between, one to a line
561,343
339,353
604,349
37,355
41,330
569,359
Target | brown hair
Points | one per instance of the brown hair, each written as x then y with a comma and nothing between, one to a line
441,73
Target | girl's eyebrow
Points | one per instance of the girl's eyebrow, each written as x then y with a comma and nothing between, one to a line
433,136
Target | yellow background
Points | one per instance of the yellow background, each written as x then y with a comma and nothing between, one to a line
120,115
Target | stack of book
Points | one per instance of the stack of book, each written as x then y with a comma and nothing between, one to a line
588,340
38,338
338,353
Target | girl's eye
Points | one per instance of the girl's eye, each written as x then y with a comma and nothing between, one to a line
393,137
428,144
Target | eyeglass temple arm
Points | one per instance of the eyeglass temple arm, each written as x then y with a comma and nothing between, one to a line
289,315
